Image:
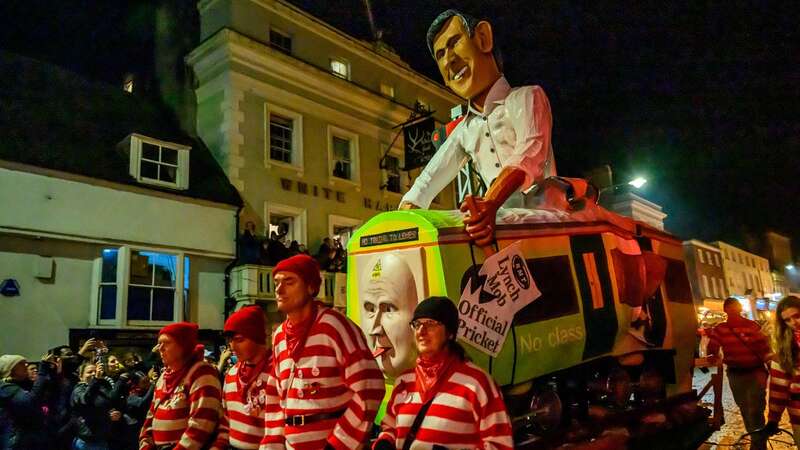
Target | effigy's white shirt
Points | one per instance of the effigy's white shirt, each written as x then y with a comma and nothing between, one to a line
514,130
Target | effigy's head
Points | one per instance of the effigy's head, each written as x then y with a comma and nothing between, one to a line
388,296
464,50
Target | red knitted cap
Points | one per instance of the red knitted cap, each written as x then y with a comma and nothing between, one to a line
184,333
249,322
305,267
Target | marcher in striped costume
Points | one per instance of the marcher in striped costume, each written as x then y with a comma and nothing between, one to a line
445,402
784,386
326,386
186,404
244,390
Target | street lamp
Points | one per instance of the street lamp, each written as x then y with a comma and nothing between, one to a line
638,182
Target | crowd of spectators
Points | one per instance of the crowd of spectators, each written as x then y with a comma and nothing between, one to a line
255,249
92,399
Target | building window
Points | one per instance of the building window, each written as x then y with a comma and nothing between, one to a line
342,161
107,296
342,228
157,162
283,137
393,175
140,287
343,155
700,256
287,222
722,292
716,259
280,138
340,68
280,40
387,90
706,290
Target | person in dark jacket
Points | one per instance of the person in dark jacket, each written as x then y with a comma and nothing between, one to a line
21,405
97,405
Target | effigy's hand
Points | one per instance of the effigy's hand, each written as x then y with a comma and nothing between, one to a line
480,223
406,206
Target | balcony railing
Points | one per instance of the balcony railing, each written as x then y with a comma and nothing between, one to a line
252,282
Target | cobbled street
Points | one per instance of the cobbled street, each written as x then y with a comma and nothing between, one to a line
733,428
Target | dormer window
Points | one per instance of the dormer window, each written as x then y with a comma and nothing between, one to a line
160,163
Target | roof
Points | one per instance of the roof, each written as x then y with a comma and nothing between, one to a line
55,119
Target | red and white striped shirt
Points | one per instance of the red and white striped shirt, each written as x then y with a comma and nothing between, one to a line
189,416
242,421
782,388
335,371
467,412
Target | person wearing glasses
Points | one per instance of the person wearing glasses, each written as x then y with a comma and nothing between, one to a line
445,401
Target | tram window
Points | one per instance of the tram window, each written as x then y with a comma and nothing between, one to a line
676,282
553,276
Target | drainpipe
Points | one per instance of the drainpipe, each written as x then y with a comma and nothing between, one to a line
230,303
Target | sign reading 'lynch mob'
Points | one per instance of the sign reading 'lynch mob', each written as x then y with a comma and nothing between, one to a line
485,320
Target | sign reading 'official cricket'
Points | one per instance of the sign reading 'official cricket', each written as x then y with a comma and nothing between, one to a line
486,310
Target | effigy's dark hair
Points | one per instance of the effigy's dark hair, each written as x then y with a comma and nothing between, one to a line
469,24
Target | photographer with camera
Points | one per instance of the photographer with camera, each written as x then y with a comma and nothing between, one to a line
98,403
22,404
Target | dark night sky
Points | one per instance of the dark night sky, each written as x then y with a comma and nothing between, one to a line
699,97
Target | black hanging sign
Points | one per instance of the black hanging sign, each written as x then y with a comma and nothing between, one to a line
419,148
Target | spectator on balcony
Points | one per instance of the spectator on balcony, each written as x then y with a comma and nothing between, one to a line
249,245
276,251
294,248
325,253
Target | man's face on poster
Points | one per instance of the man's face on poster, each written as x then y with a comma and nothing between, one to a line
388,297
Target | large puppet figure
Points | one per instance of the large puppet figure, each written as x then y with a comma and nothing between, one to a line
506,131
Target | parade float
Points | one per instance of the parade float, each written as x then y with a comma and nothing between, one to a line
584,317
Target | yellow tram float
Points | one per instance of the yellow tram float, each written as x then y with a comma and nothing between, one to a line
609,344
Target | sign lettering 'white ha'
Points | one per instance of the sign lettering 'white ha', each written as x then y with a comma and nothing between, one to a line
485,310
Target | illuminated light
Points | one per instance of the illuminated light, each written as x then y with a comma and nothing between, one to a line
638,182
790,267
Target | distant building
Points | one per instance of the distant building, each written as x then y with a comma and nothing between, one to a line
113,221
706,274
746,274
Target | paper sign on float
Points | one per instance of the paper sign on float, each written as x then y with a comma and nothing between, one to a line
507,287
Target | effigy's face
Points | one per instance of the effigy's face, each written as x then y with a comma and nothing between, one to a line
466,69
388,297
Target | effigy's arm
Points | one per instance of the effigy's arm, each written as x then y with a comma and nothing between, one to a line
437,174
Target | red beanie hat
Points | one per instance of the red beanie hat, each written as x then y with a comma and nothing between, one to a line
304,267
184,333
249,322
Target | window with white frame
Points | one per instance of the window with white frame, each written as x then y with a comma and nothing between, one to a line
393,175
157,162
342,158
342,228
387,90
343,155
280,40
140,287
283,137
340,68
280,138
